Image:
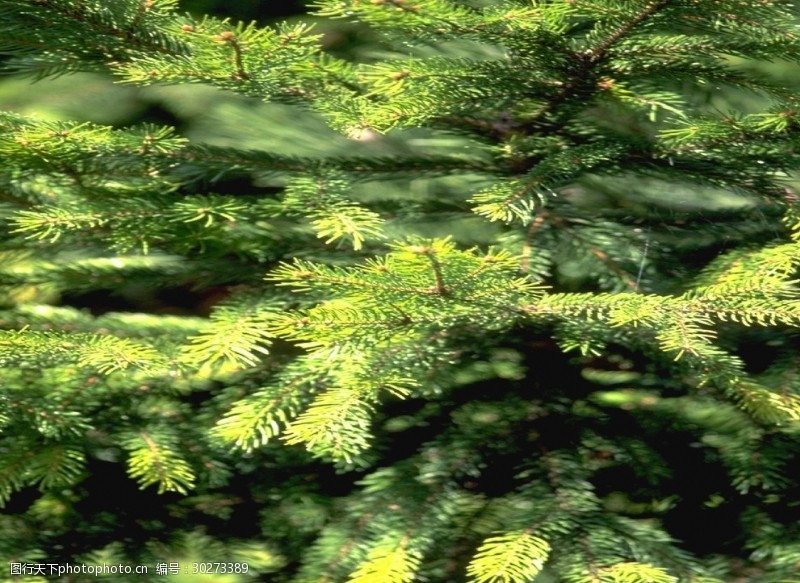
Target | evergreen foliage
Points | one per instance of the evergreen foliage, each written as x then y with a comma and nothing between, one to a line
533,317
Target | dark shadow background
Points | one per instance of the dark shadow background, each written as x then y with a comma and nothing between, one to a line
247,10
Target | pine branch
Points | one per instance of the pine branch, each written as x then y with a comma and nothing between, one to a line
75,34
380,340
154,460
510,557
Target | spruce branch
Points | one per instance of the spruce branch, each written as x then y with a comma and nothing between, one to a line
512,556
598,52
113,34
229,38
583,82
154,460
396,332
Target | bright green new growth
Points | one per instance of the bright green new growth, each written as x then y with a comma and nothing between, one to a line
580,196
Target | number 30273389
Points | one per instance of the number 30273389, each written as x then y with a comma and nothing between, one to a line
203,568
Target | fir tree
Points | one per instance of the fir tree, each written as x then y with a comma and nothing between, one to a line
534,319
